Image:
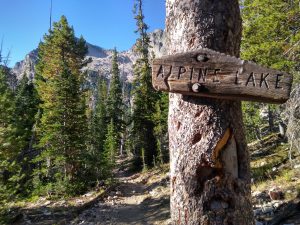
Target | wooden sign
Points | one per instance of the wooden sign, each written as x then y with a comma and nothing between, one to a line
212,74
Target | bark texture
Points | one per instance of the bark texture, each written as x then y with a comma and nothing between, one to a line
210,170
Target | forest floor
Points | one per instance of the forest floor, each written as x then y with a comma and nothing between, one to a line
143,198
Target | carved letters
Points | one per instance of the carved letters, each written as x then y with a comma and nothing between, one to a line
203,75
211,74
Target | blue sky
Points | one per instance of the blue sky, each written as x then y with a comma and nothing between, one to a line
106,23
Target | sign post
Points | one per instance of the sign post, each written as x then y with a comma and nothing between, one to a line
207,73
209,162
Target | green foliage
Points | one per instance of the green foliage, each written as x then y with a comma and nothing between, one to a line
101,113
148,139
160,118
17,113
115,106
8,152
106,139
270,38
110,150
26,108
144,96
62,128
271,33
98,130
252,120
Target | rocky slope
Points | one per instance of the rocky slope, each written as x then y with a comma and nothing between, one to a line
101,60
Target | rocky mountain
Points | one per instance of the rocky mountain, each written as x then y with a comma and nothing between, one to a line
157,39
100,64
26,66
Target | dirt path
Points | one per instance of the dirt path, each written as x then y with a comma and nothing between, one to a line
142,198
138,199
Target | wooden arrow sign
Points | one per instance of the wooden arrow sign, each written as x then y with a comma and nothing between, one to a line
212,74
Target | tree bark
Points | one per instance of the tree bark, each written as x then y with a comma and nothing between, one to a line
210,169
271,119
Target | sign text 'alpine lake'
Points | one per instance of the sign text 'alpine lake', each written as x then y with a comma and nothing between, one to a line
211,74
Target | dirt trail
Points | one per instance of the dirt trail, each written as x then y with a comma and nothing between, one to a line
138,199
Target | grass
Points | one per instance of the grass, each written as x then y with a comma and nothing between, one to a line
264,168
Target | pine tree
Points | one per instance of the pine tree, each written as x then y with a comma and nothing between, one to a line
8,151
62,126
25,110
115,106
128,125
144,95
101,113
6,112
270,33
98,130
26,107
160,118
110,150
252,120
270,37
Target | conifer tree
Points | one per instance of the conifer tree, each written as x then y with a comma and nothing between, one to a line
115,106
98,130
26,107
252,120
110,148
6,111
62,126
8,151
101,113
25,110
271,33
144,95
160,118
270,37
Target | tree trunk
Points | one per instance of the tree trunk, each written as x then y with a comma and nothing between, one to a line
282,129
271,119
210,170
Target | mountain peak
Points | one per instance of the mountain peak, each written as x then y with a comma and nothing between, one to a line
101,59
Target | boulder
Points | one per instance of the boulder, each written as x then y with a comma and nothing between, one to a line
276,194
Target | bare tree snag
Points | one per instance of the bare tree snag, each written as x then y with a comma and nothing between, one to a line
210,174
